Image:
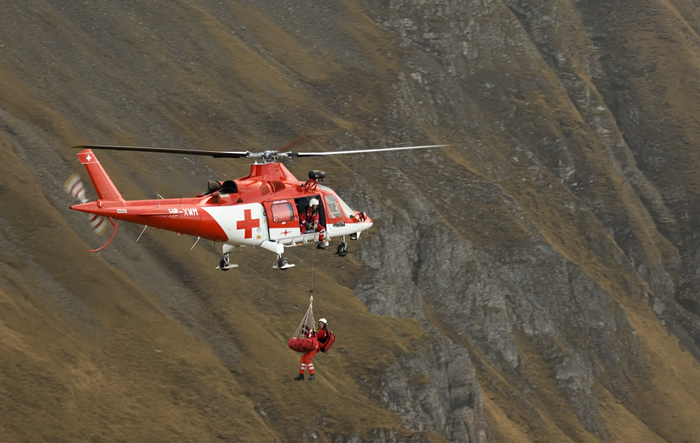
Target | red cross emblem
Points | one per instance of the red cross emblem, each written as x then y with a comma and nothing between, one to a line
248,223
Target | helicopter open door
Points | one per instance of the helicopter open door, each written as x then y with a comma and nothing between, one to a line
282,220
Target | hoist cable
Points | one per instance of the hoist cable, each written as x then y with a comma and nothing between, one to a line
313,267
308,322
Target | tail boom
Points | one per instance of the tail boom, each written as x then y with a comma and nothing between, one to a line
183,216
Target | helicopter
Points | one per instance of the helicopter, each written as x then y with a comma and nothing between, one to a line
264,209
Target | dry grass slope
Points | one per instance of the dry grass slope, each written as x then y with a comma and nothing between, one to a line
148,342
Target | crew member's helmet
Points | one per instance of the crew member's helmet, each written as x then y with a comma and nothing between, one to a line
324,321
313,202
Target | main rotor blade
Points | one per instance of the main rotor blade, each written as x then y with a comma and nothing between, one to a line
362,151
229,154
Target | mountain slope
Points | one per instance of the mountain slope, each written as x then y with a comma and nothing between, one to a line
536,281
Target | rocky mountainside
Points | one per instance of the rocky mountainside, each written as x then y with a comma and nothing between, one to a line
536,281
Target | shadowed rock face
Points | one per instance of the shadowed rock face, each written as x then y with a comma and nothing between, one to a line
536,281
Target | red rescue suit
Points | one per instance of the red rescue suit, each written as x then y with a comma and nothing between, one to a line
322,335
306,362
310,223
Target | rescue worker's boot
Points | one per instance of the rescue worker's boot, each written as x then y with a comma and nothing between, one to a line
299,377
312,377
320,245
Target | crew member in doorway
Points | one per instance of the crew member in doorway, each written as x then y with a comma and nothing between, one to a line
310,222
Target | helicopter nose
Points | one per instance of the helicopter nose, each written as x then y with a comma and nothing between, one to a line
364,219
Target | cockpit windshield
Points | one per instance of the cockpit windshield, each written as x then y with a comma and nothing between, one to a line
346,209
335,203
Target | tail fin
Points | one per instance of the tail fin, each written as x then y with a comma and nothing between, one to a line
103,184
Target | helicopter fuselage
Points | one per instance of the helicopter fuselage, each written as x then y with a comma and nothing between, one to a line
262,209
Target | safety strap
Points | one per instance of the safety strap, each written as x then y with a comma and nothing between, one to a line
307,320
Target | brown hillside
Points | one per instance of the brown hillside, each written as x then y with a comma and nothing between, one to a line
534,282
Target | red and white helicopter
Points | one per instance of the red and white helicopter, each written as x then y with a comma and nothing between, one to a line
262,209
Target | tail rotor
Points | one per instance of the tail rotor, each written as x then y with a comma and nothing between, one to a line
74,187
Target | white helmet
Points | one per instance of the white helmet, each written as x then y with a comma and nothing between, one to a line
313,202
325,322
